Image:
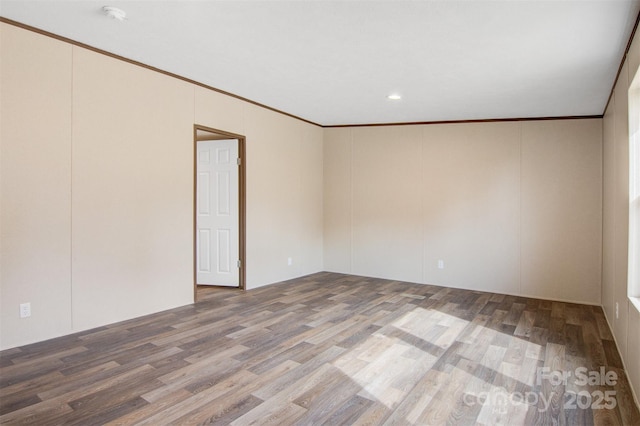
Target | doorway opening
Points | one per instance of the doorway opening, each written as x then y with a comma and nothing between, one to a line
219,209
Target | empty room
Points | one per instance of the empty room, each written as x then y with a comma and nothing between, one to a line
320,212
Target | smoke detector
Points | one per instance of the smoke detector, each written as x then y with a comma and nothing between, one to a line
114,13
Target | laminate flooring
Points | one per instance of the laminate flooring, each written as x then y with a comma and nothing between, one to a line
329,349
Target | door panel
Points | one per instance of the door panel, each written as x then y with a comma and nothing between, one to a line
217,213
204,250
224,201
204,205
224,251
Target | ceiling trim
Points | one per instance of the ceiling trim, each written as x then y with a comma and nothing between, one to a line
484,120
143,65
624,58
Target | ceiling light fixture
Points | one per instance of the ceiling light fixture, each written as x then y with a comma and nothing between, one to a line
394,97
114,13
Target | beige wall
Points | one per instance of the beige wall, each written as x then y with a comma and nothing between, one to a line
131,207
35,178
561,210
97,188
625,326
512,207
284,215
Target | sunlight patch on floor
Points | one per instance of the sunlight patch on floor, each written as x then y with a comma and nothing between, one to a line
395,364
387,367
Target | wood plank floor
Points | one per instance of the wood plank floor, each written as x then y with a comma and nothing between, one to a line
329,349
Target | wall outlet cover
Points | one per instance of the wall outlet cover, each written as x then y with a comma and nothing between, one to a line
25,310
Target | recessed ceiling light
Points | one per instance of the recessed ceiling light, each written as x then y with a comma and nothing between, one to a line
114,13
394,97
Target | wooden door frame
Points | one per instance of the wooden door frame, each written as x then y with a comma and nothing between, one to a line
242,206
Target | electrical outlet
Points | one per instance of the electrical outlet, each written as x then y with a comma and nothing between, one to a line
617,311
440,264
25,310
289,261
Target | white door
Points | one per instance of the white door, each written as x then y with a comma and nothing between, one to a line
217,224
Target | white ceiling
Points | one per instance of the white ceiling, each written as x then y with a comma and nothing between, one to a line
335,62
